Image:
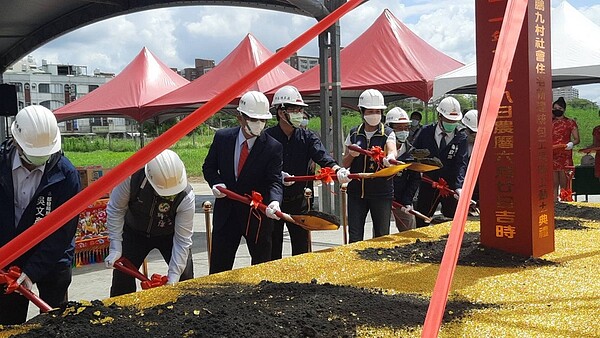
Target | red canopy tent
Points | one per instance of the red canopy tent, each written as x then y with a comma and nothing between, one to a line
142,81
246,56
388,57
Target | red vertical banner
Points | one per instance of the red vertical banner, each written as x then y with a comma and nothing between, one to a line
517,203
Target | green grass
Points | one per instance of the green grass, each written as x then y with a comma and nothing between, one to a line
586,119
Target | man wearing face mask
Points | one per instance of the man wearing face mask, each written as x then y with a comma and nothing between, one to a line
564,133
300,146
372,195
447,143
152,209
406,182
244,159
415,125
35,179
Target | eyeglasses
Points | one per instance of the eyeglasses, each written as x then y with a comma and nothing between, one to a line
252,119
399,126
293,109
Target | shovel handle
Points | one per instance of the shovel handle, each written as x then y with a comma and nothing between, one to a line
452,191
412,212
314,178
261,206
360,150
35,299
125,266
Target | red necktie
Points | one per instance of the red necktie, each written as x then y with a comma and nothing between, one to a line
243,157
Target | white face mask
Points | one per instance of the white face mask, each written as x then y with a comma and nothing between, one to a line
37,161
304,123
414,123
373,120
256,127
296,119
402,135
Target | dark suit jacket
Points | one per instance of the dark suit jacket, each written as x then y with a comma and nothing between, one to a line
261,173
453,156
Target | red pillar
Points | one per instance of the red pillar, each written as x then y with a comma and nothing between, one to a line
517,203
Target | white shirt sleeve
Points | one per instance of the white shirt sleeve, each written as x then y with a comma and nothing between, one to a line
182,239
115,213
347,141
391,138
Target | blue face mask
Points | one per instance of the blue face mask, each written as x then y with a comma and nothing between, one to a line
449,126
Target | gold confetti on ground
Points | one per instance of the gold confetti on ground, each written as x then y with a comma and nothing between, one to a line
560,300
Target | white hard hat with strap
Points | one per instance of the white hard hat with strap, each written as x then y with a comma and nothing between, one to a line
36,131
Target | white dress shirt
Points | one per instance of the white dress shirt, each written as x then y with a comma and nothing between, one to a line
438,135
25,184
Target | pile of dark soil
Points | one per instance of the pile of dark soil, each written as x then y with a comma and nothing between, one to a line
264,310
569,224
471,254
587,213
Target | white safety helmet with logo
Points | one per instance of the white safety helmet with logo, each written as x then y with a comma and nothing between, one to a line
396,115
371,99
288,95
255,105
166,173
450,109
36,131
470,120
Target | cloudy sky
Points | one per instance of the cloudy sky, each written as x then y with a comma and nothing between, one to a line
178,35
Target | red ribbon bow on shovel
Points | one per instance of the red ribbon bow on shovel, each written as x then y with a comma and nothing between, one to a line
10,279
566,195
125,266
440,185
255,202
325,175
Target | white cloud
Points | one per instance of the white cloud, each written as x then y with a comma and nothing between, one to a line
225,23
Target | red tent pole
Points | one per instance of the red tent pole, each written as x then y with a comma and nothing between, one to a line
46,226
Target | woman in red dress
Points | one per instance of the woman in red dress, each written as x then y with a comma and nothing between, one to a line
565,135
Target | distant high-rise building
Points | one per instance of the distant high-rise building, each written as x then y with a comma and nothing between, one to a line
201,67
569,93
301,63
55,85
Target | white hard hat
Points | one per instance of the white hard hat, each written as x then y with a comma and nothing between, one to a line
166,173
470,120
255,105
371,99
288,95
36,131
396,115
450,109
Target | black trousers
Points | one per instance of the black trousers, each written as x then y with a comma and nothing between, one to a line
358,208
226,240
135,248
52,289
428,201
298,236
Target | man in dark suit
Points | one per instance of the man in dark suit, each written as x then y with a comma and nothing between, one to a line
244,159
449,144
